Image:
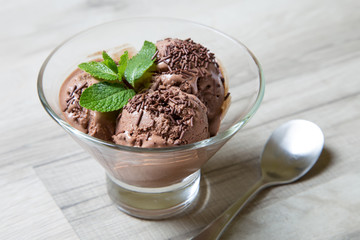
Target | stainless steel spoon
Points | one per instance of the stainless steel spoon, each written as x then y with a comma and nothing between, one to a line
291,151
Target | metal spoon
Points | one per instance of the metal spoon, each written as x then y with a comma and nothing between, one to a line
291,151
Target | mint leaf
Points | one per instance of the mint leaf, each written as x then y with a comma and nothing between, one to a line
124,59
140,63
111,96
105,96
108,61
99,70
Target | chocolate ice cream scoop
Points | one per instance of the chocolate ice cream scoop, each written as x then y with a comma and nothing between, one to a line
191,67
96,124
162,118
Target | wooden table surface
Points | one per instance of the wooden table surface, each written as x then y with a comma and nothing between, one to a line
310,53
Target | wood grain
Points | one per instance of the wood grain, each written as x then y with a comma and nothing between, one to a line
310,53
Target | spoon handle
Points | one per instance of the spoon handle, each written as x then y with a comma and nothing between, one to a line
214,230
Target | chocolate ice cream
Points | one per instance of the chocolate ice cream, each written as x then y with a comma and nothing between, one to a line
162,118
191,67
97,124
183,104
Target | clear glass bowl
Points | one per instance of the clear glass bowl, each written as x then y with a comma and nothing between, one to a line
155,183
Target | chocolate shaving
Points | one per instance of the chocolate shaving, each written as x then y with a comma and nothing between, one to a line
138,107
173,101
164,58
81,87
68,100
201,72
169,68
227,95
187,73
191,70
182,134
72,91
153,57
172,119
139,118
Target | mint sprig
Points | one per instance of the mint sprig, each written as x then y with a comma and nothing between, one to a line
118,81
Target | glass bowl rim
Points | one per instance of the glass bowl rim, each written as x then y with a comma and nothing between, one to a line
225,135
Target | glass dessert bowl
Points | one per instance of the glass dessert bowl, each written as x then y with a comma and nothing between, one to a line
155,183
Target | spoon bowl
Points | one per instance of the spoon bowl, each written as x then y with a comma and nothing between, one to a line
291,151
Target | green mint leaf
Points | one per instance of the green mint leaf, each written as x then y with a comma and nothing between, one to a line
124,59
99,70
108,61
140,63
105,96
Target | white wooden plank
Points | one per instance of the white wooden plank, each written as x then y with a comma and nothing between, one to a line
28,210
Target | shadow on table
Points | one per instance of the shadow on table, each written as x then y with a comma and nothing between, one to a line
320,166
